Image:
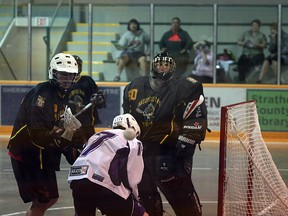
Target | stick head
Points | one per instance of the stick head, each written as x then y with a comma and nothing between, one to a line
70,121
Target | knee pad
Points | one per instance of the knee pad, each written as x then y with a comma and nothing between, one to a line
152,203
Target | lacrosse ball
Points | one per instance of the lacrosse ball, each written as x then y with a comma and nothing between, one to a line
129,134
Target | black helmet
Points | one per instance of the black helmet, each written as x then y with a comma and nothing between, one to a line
163,59
79,62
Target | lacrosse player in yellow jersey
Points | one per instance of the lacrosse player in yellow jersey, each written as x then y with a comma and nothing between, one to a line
38,139
172,115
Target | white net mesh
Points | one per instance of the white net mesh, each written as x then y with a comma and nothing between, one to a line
252,183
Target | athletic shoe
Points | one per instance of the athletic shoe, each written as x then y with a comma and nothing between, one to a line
116,79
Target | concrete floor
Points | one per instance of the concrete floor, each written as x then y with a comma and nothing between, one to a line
205,177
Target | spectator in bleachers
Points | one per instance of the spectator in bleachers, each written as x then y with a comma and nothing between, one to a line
178,42
135,46
272,58
203,62
253,42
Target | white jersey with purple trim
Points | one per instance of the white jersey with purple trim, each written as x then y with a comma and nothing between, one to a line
111,161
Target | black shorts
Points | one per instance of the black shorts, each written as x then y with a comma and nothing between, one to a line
283,59
271,58
132,55
34,183
88,196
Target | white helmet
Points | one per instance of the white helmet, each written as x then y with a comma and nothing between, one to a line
126,121
63,63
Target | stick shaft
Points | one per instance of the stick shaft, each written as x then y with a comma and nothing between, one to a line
84,109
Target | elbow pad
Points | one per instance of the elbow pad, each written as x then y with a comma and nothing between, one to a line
194,131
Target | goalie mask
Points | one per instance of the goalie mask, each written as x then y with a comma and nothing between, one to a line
125,121
163,66
63,70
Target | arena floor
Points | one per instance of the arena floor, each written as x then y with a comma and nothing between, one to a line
205,177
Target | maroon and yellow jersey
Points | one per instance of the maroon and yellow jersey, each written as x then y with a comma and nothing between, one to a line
162,113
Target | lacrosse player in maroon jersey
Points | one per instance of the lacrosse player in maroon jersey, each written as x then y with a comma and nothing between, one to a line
106,174
172,115
39,138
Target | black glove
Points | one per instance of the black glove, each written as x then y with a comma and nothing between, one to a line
79,138
184,149
71,154
59,141
98,99
184,152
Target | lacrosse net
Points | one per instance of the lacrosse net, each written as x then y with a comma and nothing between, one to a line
249,181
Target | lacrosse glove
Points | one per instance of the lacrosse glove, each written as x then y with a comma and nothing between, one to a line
56,134
184,153
98,99
184,149
71,154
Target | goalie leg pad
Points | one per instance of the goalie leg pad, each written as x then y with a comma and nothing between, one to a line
149,196
182,196
152,203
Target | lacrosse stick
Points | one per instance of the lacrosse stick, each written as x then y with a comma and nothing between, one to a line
97,98
71,124
84,109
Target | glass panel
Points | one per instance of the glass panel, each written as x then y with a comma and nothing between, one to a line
284,65
197,21
110,24
6,17
233,21
59,23
18,39
56,15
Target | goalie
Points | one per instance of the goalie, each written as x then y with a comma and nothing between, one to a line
172,115
38,139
